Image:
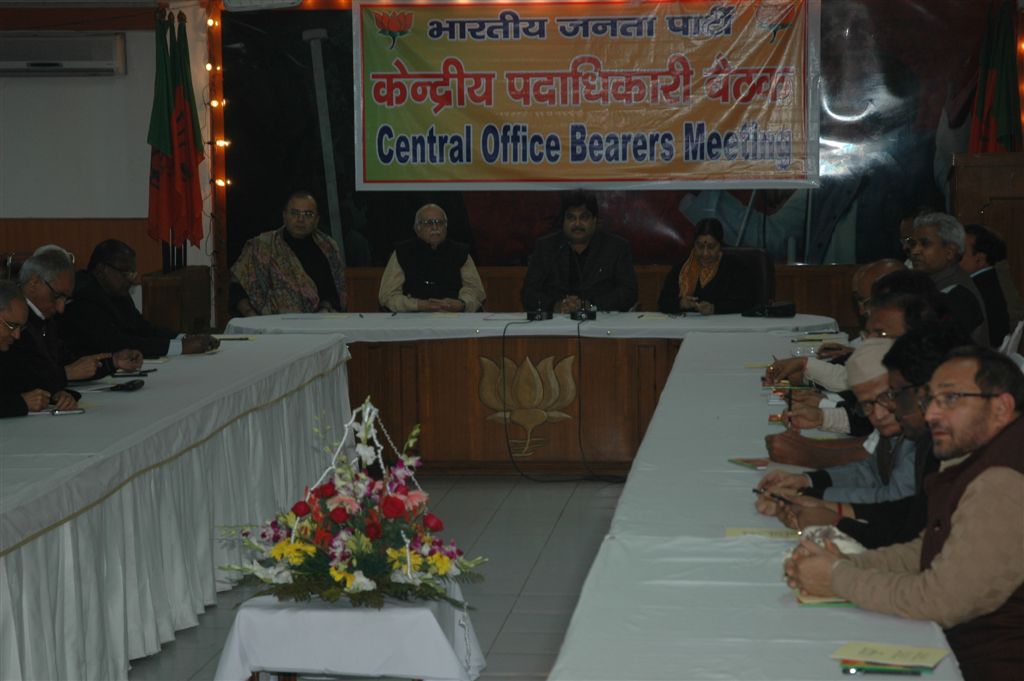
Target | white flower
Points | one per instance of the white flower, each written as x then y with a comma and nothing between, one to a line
399,577
361,583
275,574
367,453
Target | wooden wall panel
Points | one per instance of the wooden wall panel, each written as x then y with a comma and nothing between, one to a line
80,236
989,189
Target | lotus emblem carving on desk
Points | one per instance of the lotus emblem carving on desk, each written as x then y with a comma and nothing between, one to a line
527,395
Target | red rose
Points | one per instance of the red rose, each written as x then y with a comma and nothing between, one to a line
339,515
401,490
301,508
432,522
325,491
373,530
392,507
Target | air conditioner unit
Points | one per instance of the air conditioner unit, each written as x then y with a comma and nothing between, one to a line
61,53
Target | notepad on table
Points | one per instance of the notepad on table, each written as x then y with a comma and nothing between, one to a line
758,464
888,657
780,533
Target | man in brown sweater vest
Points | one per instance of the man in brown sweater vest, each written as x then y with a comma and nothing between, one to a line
966,569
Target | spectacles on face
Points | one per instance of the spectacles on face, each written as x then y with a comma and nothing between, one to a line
308,214
909,242
947,401
57,295
877,333
865,408
127,274
432,222
12,326
893,396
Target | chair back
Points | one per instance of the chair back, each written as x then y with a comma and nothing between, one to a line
762,269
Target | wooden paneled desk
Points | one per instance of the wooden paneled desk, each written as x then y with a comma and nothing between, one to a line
495,392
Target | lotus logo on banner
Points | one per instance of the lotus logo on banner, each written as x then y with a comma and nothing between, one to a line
393,25
776,16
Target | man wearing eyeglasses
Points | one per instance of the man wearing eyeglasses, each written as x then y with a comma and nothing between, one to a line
938,246
431,273
886,474
296,268
13,318
966,569
39,358
103,317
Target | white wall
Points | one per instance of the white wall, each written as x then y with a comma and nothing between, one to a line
76,147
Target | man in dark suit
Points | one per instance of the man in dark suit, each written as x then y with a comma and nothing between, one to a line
39,359
580,265
983,249
103,317
13,318
938,245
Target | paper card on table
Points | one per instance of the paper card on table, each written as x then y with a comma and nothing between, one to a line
653,315
757,365
821,601
156,360
758,464
781,533
888,653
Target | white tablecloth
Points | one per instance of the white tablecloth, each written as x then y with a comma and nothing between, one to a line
108,539
669,596
384,327
424,640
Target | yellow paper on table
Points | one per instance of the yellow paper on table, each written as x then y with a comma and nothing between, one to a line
653,315
757,365
804,599
781,533
891,654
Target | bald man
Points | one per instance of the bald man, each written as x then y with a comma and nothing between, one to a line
431,273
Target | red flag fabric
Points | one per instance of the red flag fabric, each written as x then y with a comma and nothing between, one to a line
175,198
995,124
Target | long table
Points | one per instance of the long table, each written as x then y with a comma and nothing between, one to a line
579,396
109,520
669,596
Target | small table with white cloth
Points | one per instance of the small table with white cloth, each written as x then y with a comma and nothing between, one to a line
669,596
109,519
427,640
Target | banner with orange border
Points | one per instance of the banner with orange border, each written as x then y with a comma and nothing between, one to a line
607,95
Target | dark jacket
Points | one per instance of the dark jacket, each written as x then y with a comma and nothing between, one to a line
429,272
606,278
996,310
95,322
732,289
37,359
964,302
11,403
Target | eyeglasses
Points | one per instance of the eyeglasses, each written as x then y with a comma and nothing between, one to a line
864,408
11,326
308,214
879,333
433,222
894,395
57,295
127,274
946,401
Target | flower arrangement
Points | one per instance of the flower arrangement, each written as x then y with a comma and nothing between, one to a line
352,535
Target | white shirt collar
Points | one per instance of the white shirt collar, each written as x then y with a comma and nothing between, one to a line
982,270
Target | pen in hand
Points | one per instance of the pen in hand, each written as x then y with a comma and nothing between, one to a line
779,498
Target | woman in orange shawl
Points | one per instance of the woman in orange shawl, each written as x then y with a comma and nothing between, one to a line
710,281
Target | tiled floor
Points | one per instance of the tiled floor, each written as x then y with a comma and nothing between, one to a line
541,539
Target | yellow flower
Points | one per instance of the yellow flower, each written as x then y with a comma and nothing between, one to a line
398,562
294,552
340,575
440,563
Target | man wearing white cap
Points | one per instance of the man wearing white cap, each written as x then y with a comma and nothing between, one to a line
887,474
